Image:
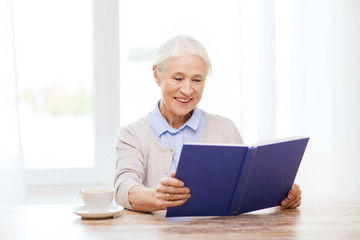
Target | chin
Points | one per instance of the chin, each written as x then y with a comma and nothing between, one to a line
183,112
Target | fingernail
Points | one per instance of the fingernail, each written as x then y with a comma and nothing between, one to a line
290,196
283,203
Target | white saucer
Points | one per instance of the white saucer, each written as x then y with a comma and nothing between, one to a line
84,213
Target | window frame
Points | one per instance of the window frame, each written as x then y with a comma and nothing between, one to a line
105,105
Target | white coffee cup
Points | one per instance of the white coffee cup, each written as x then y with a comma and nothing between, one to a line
97,200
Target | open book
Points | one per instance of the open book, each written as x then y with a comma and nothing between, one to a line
234,179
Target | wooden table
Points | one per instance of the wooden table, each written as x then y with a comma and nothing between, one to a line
310,221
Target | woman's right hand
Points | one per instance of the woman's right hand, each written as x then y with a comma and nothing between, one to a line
171,192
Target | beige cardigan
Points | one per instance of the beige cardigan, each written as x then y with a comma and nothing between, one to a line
143,160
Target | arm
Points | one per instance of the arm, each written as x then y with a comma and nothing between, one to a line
129,166
169,193
130,190
293,199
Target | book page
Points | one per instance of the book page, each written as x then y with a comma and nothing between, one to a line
216,144
267,142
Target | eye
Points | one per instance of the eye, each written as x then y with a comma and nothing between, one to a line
197,80
178,78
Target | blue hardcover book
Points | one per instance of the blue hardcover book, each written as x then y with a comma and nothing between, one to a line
233,179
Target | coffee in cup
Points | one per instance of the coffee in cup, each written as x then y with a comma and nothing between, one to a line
97,200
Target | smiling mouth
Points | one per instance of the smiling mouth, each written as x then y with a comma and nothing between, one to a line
183,100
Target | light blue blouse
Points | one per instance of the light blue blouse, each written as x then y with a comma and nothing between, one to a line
190,132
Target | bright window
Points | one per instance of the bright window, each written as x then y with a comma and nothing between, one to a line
53,42
67,72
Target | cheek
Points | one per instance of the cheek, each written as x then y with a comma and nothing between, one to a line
171,86
163,91
200,90
166,88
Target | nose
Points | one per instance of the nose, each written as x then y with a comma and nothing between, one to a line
186,87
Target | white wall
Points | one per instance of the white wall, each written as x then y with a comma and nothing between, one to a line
301,76
325,96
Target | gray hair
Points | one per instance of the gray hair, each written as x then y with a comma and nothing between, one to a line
177,46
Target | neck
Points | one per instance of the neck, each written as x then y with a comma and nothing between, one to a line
175,121
178,121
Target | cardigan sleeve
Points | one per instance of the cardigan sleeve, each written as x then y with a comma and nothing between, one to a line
129,165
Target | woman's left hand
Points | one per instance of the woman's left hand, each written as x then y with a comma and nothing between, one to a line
293,199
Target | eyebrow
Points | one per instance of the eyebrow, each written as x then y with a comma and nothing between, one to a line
199,75
195,76
178,73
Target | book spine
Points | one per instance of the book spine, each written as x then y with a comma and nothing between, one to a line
242,181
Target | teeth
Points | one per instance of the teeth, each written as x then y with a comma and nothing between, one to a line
183,100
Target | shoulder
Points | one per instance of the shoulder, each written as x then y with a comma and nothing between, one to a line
141,123
135,131
221,129
215,121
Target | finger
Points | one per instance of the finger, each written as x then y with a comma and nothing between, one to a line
292,197
172,201
172,190
171,181
176,203
292,203
165,204
288,202
175,197
294,191
297,204
293,194
173,174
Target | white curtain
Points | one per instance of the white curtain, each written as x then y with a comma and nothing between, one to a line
326,94
301,76
11,167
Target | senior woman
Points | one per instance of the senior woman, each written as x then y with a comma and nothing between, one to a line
148,150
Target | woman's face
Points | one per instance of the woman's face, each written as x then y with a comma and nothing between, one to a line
182,82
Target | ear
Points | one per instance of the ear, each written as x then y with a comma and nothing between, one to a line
156,75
